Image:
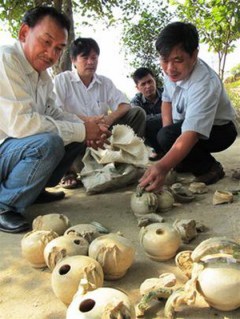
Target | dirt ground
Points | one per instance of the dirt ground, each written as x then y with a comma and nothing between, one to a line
26,293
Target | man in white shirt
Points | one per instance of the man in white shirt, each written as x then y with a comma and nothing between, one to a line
197,114
91,96
38,142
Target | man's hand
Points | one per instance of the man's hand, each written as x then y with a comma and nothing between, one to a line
96,134
153,179
97,119
108,119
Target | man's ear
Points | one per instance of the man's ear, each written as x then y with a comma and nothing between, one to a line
23,32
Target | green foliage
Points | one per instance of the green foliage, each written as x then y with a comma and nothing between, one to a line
139,36
110,11
218,23
233,90
12,11
235,71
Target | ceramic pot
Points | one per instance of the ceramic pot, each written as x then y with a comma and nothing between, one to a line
219,284
87,231
63,246
160,241
165,201
69,272
115,253
143,202
33,244
55,222
101,303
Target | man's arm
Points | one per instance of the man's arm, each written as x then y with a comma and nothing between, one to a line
154,177
24,111
112,117
179,150
166,113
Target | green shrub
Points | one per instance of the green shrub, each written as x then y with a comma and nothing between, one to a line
233,91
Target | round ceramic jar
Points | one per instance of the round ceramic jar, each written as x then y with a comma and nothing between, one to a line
160,241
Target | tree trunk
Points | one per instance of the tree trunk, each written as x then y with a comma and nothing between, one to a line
68,10
41,3
64,62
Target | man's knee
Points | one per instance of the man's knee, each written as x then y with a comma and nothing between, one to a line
165,137
137,118
51,144
138,112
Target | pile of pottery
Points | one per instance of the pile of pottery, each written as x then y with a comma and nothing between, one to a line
213,272
143,202
80,258
83,256
159,240
213,268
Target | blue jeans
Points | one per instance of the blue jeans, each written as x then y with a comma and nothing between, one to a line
29,164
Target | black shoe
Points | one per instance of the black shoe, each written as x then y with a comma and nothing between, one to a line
47,197
12,222
215,173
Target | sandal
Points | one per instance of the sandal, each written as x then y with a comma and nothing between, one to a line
70,181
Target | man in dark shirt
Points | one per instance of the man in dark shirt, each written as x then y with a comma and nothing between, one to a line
150,99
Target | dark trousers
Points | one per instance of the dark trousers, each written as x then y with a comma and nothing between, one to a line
199,160
153,126
72,151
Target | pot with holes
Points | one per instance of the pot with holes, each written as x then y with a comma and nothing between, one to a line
160,241
101,303
68,273
63,246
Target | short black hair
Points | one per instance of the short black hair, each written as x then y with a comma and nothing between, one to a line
141,73
177,33
33,16
83,47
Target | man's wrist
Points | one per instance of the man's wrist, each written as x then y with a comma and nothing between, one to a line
163,166
109,119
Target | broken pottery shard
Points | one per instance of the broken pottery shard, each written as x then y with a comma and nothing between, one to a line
181,194
198,188
164,280
186,228
222,197
149,219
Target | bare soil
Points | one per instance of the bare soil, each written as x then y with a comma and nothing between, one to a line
26,293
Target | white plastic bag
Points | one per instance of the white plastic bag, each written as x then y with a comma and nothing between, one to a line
120,164
110,176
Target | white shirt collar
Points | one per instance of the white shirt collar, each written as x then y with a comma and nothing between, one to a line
76,78
44,76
